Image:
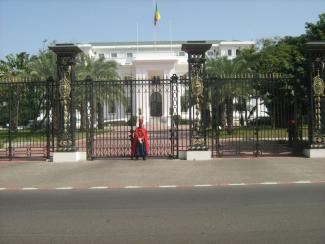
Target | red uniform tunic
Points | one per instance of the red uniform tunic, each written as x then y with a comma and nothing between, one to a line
140,133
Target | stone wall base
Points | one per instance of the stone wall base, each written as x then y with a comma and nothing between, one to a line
61,157
315,153
195,155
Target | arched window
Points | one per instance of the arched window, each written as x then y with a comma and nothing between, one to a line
156,104
155,80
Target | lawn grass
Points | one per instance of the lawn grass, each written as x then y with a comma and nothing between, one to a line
251,132
28,136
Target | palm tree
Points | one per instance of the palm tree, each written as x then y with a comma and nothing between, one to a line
12,70
14,65
101,71
220,70
40,67
43,65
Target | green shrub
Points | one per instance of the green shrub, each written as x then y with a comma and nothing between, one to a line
184,122
179,121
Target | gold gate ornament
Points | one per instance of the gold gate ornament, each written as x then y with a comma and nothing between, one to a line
318,86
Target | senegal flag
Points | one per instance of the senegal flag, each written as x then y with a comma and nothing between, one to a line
157,15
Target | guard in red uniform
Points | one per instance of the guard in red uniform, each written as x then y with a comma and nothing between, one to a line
140,144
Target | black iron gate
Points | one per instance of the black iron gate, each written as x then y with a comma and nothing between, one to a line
114,107
244,115
255,114
25,124
235,115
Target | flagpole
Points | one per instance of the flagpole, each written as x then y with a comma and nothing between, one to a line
171,36
155,37
154,28
137,37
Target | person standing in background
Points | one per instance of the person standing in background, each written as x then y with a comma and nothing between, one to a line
140,143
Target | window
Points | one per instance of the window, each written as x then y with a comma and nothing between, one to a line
101,55
210,53
229,52
128,108
237,52
155,80
128,80
185,101
114,55
156,104
111,107
129,55
181,54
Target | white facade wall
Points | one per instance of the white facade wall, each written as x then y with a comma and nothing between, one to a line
159,54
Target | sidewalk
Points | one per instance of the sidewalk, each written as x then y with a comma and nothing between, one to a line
150,173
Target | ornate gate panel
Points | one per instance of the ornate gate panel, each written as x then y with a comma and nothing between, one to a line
25,119
113,110
255,114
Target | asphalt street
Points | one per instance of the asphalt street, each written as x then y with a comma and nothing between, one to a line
225,214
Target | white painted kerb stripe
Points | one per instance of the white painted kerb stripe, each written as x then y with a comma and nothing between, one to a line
171,186
2,189
132,187
98,187
29,188
269,183
237,184
202,185
302,182
63,188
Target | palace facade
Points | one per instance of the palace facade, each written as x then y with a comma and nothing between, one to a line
145,61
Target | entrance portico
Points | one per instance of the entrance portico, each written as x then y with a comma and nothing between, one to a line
154,103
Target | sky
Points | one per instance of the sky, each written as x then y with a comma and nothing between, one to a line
29,25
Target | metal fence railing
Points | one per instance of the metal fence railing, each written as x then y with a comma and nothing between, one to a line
246,114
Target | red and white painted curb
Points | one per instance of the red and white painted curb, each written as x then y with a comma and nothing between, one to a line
65,188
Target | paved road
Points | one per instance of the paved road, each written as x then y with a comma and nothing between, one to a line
226,214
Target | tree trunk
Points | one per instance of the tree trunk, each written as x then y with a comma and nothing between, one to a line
14,118
221,115
100,111
214,116
83,117
229,113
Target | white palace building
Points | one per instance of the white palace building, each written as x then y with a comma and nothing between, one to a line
145,60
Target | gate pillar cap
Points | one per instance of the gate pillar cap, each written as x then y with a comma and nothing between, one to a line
315,45
65,49
196,47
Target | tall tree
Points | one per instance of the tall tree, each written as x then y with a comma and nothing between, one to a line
316,31
43,65
222,96
102,72
14,65
12,69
